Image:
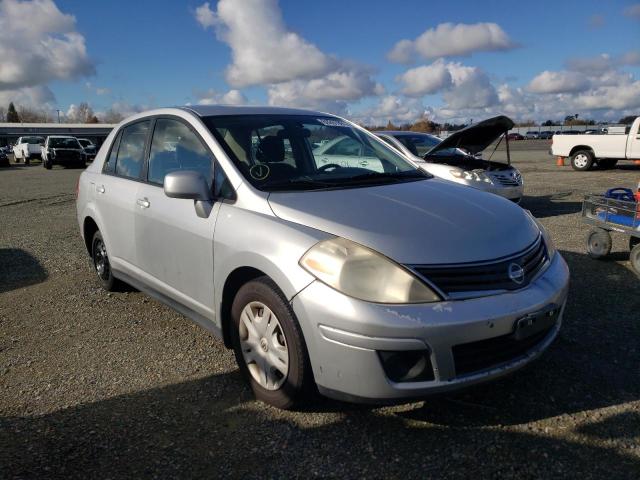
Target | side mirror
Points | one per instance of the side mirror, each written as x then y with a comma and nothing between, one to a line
187,184
190,185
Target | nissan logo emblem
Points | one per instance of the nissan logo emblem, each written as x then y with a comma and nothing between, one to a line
516,273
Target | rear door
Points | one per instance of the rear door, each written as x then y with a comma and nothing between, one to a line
175,245
115,193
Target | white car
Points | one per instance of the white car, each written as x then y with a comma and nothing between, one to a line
603,150
27,148
458,158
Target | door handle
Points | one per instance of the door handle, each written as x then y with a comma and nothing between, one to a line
100,189
143,202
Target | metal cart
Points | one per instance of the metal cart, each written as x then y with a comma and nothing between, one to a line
605,215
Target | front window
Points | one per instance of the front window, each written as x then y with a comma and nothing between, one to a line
304,152
68,142
419,145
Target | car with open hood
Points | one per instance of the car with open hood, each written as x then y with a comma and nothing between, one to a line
458,158
370,281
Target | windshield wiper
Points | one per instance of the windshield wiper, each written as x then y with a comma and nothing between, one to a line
297,184
393,176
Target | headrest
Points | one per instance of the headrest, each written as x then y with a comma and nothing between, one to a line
270,149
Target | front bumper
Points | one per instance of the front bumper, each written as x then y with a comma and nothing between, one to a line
345,336
510,193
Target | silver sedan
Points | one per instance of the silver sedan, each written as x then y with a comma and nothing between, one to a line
373,281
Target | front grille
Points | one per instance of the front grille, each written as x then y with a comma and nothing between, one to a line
496,275
507,179
483,354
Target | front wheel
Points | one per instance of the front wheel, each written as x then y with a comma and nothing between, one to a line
269,346
598,243
582,160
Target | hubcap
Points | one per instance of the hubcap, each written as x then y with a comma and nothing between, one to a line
580,160
264,347
100,259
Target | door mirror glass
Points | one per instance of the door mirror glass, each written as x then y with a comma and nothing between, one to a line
187,184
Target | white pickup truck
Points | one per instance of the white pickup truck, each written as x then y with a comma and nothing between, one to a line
27,148
603,150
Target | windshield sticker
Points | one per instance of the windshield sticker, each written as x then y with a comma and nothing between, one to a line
259,171
332,122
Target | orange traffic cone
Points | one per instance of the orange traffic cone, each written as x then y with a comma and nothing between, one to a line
560,162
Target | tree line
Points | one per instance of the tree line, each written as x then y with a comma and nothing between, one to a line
82,113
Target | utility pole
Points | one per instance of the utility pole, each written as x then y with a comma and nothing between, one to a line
58,115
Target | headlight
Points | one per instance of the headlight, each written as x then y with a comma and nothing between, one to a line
551,247
473,175
362,273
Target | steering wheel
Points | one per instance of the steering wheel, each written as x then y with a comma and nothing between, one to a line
328,166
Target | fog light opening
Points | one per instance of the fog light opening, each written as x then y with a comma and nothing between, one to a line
407,366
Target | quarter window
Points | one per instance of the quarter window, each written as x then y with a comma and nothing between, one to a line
176,147
131,150
110,163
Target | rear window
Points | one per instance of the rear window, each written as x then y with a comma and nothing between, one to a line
130,159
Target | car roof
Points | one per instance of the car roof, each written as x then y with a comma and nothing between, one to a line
221,110
61,136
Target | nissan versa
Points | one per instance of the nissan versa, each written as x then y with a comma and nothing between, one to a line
373,281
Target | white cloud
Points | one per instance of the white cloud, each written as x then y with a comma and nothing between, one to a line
39,44
559,82
265,52
462,86
40,96
449,39
262,48
633,11
103,91
471,88
397,109
211,97
426,79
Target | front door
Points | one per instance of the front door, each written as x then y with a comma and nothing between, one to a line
174,244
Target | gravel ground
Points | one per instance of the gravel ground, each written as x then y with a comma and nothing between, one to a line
119,386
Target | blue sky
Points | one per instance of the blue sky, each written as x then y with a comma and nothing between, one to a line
142,53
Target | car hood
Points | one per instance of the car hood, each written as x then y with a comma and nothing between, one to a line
475,138
423,222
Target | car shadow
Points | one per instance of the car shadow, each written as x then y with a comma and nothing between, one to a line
19,269
551,205
210,427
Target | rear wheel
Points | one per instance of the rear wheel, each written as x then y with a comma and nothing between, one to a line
268,344
582,160
101,263
598,243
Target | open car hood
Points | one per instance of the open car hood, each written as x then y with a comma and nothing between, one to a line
475,138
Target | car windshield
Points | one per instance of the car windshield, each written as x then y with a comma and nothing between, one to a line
67,142
305,152
420,143
84,143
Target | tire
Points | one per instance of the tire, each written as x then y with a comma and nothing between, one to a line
263,347
582,160
634,258
47,164
98,253
607,163
598,243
